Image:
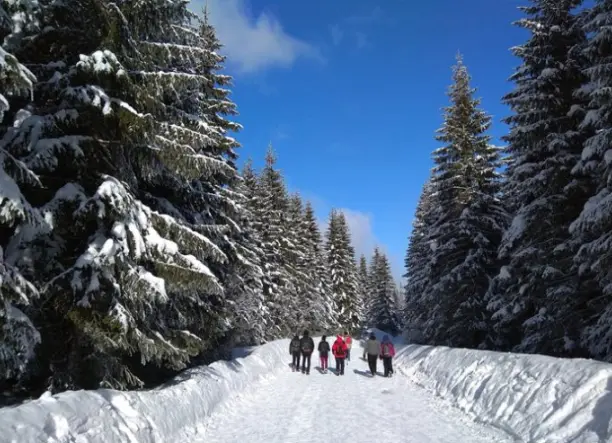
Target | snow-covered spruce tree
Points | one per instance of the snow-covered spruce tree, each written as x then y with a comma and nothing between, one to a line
533,298
321,303
244,287
296,262
364,289
417,260
398,313
18,336
382,294
124,133
593,228
467,224
343,271
222,202
278,290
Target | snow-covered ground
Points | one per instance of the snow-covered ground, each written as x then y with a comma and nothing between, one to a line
437,395
354,408
169,414
532,397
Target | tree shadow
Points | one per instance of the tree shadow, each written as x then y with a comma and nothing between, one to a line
234,365
602,414
242,352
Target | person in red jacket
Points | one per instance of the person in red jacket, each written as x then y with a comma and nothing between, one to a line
339,350
349,343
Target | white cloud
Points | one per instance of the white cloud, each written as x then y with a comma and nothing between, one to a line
362,40
372,16
353,27
254,43
336,33
362,233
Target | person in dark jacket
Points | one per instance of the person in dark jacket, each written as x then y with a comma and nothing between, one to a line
294,351
323,353
307,347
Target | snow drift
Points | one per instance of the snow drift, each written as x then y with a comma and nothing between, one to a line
533,398
167,414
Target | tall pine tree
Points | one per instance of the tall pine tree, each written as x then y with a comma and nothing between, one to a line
342,268
321,299
532,299
592,231
468,221
122,133
18,335
417,260
364,289
278,289
244,287
383,308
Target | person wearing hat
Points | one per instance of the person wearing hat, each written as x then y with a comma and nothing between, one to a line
306,346
323,353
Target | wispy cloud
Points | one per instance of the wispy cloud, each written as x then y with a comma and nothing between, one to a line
281,132
354,25
362,40
373,16
336,34
254,44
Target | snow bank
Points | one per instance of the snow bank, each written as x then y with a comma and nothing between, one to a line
167,414
534,398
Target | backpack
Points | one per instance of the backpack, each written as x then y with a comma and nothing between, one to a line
307,345
323,347
386,350
339,351
295,346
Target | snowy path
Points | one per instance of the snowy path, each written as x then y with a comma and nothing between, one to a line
297,408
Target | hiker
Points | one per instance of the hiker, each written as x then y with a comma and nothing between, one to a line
294,351
323,353
372,349
339,350
349,342
387,352
306,346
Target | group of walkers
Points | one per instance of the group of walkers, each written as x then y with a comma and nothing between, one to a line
384,350
304,347
341,350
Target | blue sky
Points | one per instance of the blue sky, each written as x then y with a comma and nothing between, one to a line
350,95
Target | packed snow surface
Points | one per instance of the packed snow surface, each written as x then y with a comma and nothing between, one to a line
436,395
355,408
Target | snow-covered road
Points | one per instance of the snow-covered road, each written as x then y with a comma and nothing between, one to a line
297,408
